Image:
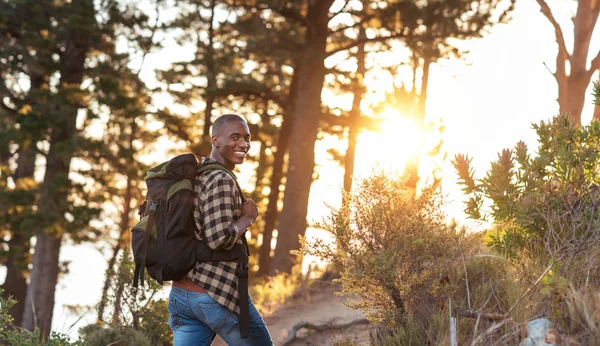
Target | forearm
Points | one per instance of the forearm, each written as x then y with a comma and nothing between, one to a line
243,223
238,227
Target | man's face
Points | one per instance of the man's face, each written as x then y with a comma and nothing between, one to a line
233,142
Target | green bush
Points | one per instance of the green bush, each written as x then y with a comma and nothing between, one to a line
544,203
395,250
97,335
13,336
127,308
405,263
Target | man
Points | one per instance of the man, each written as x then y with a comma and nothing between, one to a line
207,301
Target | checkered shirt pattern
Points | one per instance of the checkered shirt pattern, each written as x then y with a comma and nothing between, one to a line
217,205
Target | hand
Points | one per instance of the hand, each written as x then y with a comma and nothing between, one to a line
250,210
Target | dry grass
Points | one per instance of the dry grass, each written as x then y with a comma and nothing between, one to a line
582,315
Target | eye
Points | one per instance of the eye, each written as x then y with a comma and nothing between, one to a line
235,137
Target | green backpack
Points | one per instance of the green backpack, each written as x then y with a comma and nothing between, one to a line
163,242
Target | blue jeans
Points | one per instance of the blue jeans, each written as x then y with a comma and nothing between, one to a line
196,319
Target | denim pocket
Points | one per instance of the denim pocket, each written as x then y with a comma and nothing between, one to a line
175,320
218,317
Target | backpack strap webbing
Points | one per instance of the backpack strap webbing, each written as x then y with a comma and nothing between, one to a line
241,252
242,273
140,266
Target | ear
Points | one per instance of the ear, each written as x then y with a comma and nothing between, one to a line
215,141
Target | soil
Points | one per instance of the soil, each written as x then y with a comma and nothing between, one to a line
320,306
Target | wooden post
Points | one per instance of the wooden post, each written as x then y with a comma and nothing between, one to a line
453,341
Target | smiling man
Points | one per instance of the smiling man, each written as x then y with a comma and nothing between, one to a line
208,301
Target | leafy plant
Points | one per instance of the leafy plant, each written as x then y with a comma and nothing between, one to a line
21,337
394,249
545,203
129,308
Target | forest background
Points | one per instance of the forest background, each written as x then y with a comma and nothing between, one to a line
96,91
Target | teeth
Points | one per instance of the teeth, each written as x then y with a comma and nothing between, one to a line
240,153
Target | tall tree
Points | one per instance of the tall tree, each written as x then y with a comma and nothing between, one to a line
319,41
77,35
572,74
307,111
355,112
24,57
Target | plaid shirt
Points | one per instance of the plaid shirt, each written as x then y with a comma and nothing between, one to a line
217,205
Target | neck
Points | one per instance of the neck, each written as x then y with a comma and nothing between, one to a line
215,155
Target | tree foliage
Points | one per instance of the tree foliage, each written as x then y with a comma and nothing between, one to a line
545,202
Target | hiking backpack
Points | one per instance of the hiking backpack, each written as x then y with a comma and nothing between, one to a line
164,242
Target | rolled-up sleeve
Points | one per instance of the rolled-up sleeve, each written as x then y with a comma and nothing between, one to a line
217,206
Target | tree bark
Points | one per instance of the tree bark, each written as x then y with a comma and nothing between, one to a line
15,284
283,140
355,112
264,253
572,86
211,83
307,111
412,165
39,302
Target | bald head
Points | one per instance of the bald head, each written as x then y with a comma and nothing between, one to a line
221,121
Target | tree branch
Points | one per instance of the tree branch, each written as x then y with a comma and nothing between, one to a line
359,23
560,38
476,314
293,14
319,328
286,12
367,40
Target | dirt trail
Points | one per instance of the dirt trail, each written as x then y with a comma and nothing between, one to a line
320,306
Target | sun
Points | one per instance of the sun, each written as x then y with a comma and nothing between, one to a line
397,142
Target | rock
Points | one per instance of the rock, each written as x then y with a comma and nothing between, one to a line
536,333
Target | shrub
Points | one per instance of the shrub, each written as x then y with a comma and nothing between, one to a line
394,250
129,309
97,335
546,203
21,337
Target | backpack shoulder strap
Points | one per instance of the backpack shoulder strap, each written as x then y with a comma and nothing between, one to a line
211,166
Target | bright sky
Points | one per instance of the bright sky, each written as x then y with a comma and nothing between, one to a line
487,103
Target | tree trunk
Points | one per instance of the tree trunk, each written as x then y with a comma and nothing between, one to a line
211,83
355,112
39,302
283,140
577,84
264,253
257,194
412,165
572,87
307,111
263,162
15,284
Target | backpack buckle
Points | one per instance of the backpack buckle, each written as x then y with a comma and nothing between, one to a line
153,207
241,269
